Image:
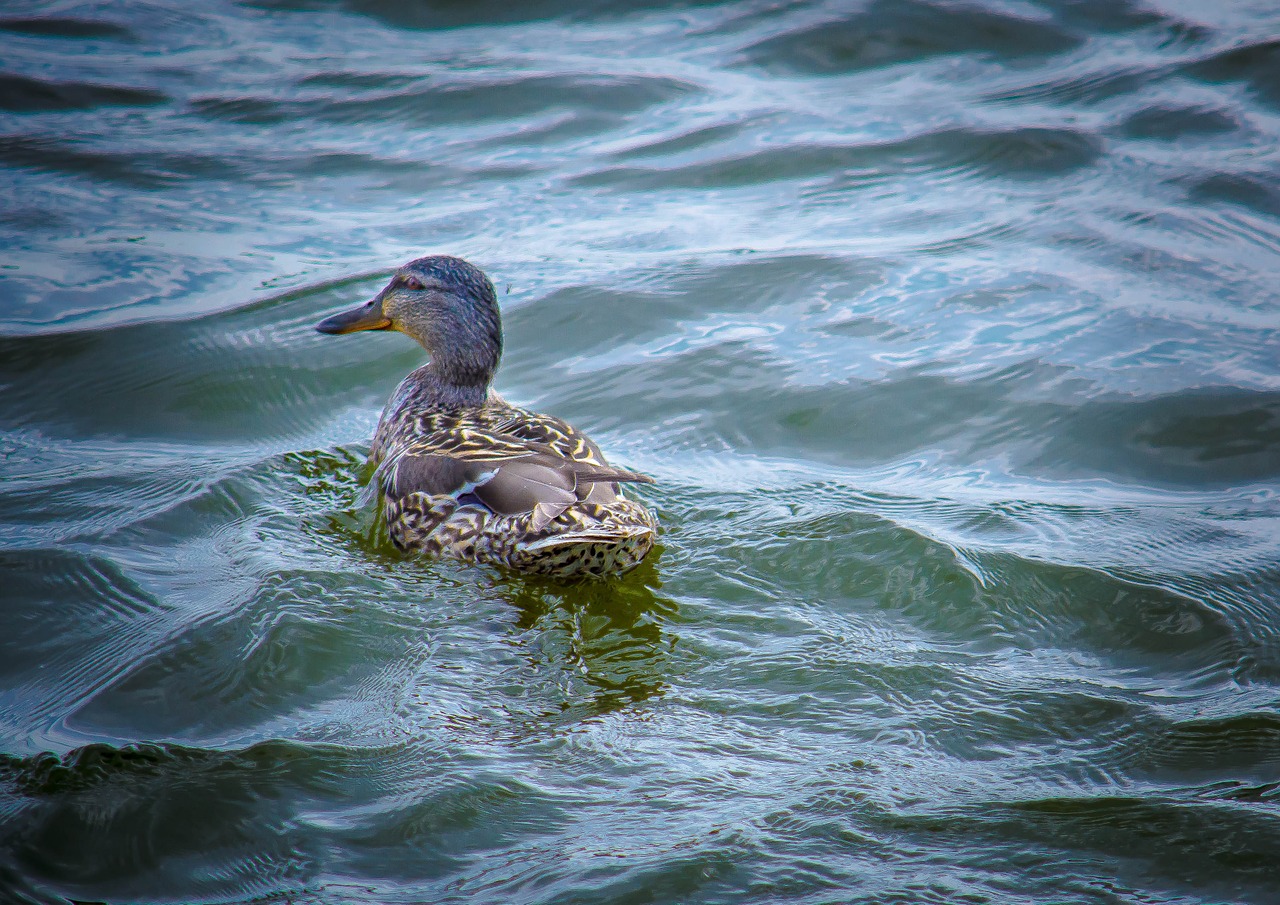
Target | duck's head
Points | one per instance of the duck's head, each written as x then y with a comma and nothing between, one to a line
447,305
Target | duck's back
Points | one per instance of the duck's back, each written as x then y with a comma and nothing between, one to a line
498,483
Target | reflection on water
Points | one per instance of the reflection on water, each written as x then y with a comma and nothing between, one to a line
949,332
606,641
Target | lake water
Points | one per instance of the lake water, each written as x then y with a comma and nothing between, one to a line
949,331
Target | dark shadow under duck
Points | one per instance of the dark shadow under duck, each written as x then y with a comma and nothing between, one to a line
465,474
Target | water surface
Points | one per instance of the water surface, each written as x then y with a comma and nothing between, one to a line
949,332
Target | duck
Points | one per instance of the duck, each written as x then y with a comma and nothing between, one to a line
464,474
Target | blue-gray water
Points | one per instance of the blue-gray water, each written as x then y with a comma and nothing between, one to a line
949,331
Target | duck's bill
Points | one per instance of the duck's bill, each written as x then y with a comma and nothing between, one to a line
367,317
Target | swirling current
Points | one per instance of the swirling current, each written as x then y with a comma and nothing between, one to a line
948,330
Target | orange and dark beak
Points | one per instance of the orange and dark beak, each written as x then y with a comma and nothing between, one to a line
368,316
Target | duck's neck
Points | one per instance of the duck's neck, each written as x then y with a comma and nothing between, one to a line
435,387
463,359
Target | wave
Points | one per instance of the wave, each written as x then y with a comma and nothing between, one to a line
887,33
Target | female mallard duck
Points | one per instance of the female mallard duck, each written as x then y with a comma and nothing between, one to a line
464,473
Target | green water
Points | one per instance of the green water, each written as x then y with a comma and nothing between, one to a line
949,334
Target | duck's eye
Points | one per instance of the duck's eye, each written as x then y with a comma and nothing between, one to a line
413,283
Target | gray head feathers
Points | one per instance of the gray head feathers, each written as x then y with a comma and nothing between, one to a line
449,306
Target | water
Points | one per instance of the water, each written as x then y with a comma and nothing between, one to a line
948,331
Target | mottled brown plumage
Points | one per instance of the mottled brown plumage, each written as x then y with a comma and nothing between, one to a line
465,474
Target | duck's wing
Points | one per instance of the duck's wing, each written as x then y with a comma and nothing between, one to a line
475,457
550,431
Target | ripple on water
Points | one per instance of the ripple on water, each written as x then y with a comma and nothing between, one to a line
888,33
1240,749
1090,87
1255,63
169,381
1169,123
1020,153
234,811
1226,848
76,622
1254,190
20,94
66,27
447,98
278,654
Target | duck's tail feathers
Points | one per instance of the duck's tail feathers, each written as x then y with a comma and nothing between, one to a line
615,534
600,474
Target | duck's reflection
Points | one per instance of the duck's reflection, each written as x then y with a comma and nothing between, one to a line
602,645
